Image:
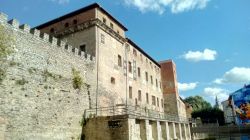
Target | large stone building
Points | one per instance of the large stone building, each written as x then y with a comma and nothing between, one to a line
123,68
127,94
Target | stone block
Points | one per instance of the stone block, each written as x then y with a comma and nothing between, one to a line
35,32
14,23
25,28
3,17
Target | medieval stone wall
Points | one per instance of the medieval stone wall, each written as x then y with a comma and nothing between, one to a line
38,96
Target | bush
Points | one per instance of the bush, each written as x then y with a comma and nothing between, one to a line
77,79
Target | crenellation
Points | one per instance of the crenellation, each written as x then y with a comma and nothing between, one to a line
53,40
61,43
25,28
35,32
75,51
14,23
88,57
69,48
3,17
82,54
44,36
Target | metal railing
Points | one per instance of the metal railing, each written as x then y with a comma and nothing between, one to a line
132,111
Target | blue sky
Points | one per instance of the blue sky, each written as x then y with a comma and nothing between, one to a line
209,40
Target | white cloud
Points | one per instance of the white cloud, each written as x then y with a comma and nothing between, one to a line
159,6
195,56
221,94
60,1
235,75
187,86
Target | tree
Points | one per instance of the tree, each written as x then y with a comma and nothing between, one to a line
209,115
197,103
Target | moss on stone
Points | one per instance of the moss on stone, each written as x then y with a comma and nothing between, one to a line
77,79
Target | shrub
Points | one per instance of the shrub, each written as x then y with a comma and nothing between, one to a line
77,79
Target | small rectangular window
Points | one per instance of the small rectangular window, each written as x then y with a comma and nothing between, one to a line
129,67
139,95
130,93
104,20
147,98
134,52
162,103
83,48
112,80
158,102
153,100
151,77
111,26
102,39
139,71
156,82
119,61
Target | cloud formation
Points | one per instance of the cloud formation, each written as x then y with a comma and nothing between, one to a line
211,92
176,6
239,75
196,56
187,86
60,1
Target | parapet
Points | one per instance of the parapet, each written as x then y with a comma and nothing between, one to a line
53,41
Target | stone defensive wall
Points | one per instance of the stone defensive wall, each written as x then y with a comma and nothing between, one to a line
45,85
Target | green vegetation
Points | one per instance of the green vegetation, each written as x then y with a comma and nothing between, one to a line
46,74
2,75
203,110
5,50
21,82
5,44
197,103
77,79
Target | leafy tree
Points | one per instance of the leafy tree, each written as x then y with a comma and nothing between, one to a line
197,103
209,115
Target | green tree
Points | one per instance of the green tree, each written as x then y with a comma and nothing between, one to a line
209,115
197,103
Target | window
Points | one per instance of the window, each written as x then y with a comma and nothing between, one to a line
118,32
119,60
52,30
74,21
146,76
102,38
129,67
162,103
147,98
112,80
141,57
130,93
134,52
160,83
139,71
139,95
104,20
151,77
83,48
156,82
153,100
158,102
136,102
66,24
111,26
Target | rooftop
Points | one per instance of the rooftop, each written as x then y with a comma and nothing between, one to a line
84,9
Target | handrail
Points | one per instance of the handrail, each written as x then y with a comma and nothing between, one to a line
133,111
